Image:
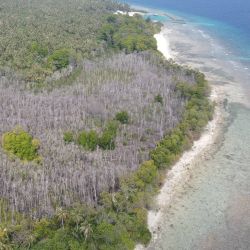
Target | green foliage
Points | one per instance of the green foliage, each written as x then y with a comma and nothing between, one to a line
36,34
162,157
59,59
59,241
146,174
20,144
107,139
88,140
68,137
129,33
43,229
139,229
122,117
38,49
48,34
111,19
106,233
139,181
129,203
197,113
3,237
134,42
107,33
159,99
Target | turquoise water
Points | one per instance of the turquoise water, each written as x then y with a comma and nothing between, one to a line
212,210
228,21
232,12
235,41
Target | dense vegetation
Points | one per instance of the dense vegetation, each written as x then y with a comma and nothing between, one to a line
130,34
41,38
89,140
122,117
104,133
20,144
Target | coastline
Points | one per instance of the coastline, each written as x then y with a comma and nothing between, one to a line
179,173
202,148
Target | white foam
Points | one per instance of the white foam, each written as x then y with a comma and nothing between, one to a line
131,13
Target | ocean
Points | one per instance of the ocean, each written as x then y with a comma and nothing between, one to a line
229,20
232,12
211,210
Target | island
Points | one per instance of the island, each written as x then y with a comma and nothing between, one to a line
92,117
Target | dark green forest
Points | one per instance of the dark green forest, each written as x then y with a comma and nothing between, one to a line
39,38
92,117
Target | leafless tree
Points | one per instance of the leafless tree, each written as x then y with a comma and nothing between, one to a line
68,173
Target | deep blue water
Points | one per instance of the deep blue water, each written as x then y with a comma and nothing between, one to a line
229,20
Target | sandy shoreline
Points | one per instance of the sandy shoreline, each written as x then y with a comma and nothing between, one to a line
163,44
180,172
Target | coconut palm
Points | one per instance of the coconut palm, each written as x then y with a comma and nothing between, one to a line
62,215
86,229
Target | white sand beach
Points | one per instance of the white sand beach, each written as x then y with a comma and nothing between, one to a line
163,44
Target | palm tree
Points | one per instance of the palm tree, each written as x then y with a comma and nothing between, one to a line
30,240
62,215
86,229
77,217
